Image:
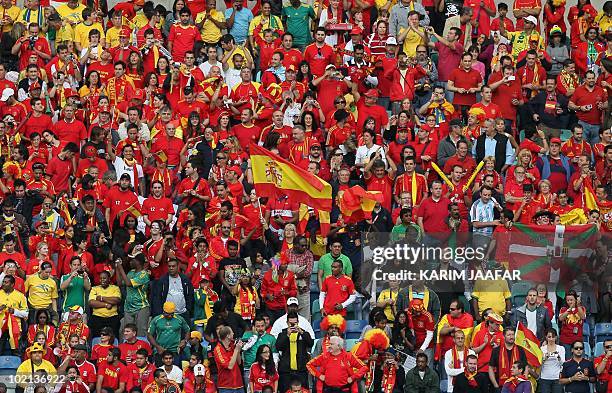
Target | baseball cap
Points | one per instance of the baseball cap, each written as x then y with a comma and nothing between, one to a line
356,31
555,140
169,308
372,93
199,370
329,67
6,93
531,19
125,176
76,309
125,32
291,68
89,151
391,41
292,300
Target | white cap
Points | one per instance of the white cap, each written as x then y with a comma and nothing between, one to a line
391,41
199,370
6,93
293,300
531,19
330,66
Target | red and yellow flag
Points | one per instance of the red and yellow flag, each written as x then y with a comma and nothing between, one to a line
273,175
356,204
526,339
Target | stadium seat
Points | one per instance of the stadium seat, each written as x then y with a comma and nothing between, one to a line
586,331
316,340
603,331
565,135
314,286
599,349
9,362
588,352
519,292
315,311
350,343
316,325
143,338
354,328
315,267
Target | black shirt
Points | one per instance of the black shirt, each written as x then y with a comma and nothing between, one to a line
570,368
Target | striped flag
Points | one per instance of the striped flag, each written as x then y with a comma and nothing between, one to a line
527,340
356,204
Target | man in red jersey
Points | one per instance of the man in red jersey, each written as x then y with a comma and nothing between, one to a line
555,167
378,178
291,55
140,371
337,291
318,54
104,66
277,126
10,253
118,199
336,368
299,147
423,325
122,52
169,144
90,159
227,357
60,168
333,84
245,94
276,290
190,104
70,129
491,110
487,338
246,131
32,43
161,383
193,188
461,158
157,206
112,373
10,106
87,370
120,87
589,101
464,82
37,120
182,36
575,146
132,344
222,195
456,194
367,106
433,211
507,94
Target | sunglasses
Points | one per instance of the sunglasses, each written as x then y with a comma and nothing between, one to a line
578,348
608,346
453,309
340,102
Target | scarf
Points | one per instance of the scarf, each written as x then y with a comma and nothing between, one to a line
513,382
413,188
504,364
293,349
66,329
247,298
370,375
440,110
550,106
456,359
12,324
163,175
568,80
591,54
471,378
534,81
388,378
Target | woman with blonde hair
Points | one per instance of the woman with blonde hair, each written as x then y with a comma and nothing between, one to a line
489,169
545,198
289,235
235,153
525,159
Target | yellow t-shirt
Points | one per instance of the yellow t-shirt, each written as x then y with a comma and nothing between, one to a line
13,13
72,15
112,37
81,33
40,292
65,33
28,16
411,41
520,42
492,293
604,22
14,300
237,49
385,295
110,291
211,34
273,23
25,369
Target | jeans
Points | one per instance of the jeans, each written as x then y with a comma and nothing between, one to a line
591,132
549,386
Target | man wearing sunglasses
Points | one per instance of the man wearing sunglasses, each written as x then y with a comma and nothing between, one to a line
577,373
603,367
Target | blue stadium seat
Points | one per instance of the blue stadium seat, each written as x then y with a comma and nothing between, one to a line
588,352
316,326
354,328
586,331
315,267
315,310
565,135
350,343
143,338
599,349
316,340
9,362
603,331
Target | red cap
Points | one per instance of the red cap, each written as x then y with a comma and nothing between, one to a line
35,86
125,32
372,93
90,151
235,169
39,223
291,68
71,93
555,140
356,31
315,144
104,108
139,2
139,94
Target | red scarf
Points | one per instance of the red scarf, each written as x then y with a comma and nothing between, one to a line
513,382
247,297
388,378
504,365
471,378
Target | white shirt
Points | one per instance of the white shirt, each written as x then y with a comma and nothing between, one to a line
531,320
362,156
451,371
176,374
552,362
206,66
232,78
143,131
121,168
281,323
176,295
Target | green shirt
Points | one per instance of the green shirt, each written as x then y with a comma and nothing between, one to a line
168,332
74,295
136,296
298,23
399,231
326,261
264,339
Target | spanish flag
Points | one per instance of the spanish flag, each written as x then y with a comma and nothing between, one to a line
356,204
64,210
273,175
133,210
573,217
465,322
526,339
304,217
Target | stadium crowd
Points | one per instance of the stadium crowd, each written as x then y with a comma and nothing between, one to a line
140,255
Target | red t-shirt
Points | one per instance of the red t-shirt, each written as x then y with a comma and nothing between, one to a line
74,131
59,171
329,90
183,38
246,135
157,209
452,58
492,111
422,323
37,124
260,378
139,377
112,374
571,329
128,351
171,146
582,97
466,80
291,57
384,185
485,355
319,58
504,94
87,371
376,111
202,189
227,378
337,291
118,200
434,215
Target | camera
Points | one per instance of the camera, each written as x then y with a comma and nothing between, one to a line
81,271
32,42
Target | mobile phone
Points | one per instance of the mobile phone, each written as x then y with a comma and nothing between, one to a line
511,78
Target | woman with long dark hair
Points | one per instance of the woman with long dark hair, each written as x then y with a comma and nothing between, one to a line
263,371
135,69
